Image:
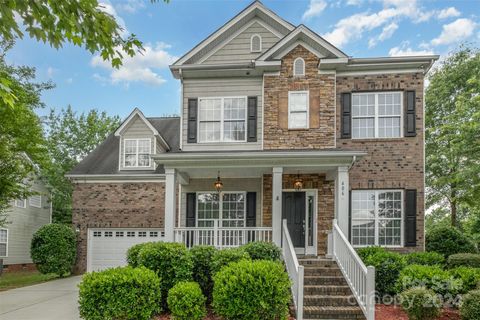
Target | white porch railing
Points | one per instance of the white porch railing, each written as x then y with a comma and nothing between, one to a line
294,269
360,278
221,237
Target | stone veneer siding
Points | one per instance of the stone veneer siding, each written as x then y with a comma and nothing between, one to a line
321,132
390,163
115,205
325,203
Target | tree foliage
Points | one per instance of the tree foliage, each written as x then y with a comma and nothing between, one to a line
452,120
70,138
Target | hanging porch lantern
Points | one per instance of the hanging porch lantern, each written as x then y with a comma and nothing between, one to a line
298,184
218,184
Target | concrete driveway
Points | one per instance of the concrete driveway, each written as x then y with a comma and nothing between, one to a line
53,300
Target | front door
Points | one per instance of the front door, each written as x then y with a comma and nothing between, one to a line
293,210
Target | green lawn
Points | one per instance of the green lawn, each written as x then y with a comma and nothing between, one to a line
22,279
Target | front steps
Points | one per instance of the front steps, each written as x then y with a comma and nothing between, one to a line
326,293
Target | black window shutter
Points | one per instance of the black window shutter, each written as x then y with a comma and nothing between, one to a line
410,218
251,213
252,119
191,208
346,115
192,120
410,127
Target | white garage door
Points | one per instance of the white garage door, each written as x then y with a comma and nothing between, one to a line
107,248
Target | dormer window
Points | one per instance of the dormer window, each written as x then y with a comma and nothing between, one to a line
256,43
299,67
137,153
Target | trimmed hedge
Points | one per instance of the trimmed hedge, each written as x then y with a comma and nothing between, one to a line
464,259
470,306
186,301
431,277
223,257
366,252
388,266
202,257
132,254
54,249
420,303
252,290
260,250
119,293
470,278
425,258
448,240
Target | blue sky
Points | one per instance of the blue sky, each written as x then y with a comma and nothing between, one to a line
361,28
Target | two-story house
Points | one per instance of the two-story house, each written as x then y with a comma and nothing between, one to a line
277,126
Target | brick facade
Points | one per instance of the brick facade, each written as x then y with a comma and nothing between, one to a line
115,205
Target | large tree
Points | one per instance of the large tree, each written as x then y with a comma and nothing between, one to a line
452,121
70,138
22,144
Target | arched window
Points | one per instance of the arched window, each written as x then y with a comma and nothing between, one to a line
299,67
256,43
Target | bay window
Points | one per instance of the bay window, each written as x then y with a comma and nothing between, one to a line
377,218
222,119
298,110
227,207
137,153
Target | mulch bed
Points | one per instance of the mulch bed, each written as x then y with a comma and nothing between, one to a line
392,312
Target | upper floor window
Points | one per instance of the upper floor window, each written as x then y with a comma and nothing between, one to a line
222,119
137,153
298,110
299,67
35,201
256,43
3,242
21,203
377,115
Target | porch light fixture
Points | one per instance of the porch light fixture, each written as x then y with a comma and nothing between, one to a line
218,183
298,184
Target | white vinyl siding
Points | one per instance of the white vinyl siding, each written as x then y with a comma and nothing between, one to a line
298,106
227,207
35,201
299,67
377,218
137,152
377,115
3,243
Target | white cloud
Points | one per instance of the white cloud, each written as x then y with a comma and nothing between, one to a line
405,50
387,33
456,31
315,8
130,6
50,72
69,80
354,2
143,67
447,13
108,8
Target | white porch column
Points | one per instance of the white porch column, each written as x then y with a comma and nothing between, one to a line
342,198
277,205
170,203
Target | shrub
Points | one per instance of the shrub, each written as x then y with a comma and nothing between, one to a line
464,259
260,250
425,258
171,261
420,303
132,254
470,278
221,258
202,257
470,306
448,240
119,293
366,252
252,290
53,249
387,269
186,301
431,277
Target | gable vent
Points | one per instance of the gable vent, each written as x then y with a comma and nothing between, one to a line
255,43
299,67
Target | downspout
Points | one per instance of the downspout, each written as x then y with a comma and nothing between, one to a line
353,162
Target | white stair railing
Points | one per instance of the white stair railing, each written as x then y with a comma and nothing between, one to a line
294,269
361,279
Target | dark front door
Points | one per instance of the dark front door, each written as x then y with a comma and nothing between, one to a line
293,210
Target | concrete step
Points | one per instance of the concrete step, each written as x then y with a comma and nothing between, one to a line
311,312
322,271
330,300
327,290
325,280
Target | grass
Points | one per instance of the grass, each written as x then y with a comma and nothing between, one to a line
11,280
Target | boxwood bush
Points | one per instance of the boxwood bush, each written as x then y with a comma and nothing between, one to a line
431,277
186,301
448,240
464,259
425,258
132,254
222,258
171,261
420,303
252,290
469,278
366,252
119,293
387,269
202,258
260,250
54,249
470,306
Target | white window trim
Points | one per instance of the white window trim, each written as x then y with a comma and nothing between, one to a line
402,219
220,208
251,42
222,119
303,67
308,109
24,203
6,243
149,151
30,201
376,116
